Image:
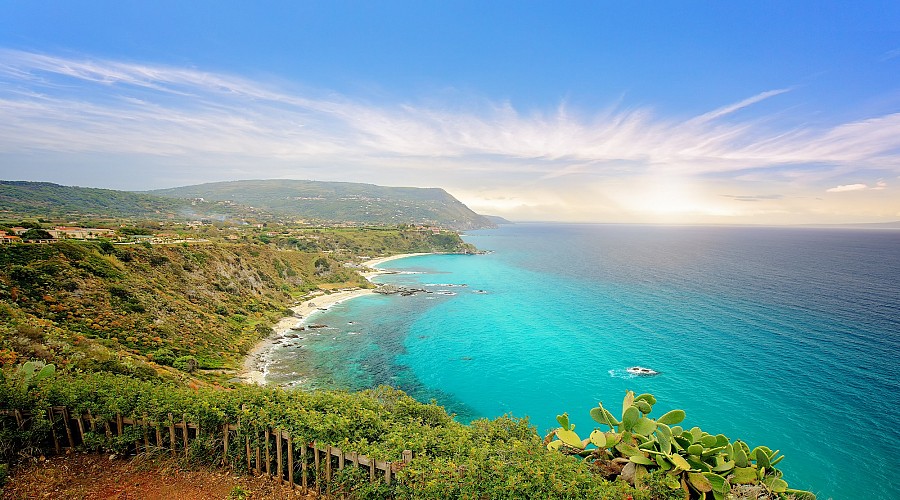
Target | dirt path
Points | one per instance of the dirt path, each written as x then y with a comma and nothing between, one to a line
89,476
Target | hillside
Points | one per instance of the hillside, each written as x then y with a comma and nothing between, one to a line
99,306
340,202
45,199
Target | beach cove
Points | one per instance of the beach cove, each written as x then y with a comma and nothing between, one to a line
253,370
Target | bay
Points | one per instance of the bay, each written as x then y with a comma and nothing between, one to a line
778,336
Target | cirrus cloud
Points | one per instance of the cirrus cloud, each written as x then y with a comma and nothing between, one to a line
81,108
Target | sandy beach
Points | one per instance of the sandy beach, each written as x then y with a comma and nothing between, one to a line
253,370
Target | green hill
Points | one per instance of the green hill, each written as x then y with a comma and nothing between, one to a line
340,202
45,199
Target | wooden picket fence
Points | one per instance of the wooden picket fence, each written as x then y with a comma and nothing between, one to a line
273,451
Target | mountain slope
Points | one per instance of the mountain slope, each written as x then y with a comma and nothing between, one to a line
340,201
48,199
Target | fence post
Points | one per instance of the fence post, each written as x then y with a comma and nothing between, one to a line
278,455
328,469
65,415
146,432
407,456
136,422
290,460
268,458
258,468
248,452
53,431
172,433
225,443
316,459
240,424
184,427
119,424
304,467
80,427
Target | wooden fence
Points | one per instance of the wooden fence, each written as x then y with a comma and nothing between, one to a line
272,451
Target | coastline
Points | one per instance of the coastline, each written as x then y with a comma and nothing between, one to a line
254,365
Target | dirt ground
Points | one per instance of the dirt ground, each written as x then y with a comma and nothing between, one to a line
90,476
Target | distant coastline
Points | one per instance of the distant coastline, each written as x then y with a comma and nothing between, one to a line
253,370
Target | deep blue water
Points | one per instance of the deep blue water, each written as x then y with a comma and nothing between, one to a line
783,337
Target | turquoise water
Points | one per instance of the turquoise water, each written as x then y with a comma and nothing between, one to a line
782,337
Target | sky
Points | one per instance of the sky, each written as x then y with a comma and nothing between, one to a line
737,112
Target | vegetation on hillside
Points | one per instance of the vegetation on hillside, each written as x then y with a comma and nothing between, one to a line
46,199
101,306
501,458
282,201
340,201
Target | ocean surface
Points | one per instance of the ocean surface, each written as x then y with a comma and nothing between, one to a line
778,336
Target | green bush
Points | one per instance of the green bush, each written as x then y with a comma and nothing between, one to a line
502,458
186,364
164,356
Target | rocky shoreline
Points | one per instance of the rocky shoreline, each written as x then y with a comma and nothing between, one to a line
254,366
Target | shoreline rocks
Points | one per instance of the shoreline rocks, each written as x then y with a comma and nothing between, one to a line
390,289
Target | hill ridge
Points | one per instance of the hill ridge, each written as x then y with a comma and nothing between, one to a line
262,199
339,201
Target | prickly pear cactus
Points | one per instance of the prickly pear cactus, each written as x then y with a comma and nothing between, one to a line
33,372
704,465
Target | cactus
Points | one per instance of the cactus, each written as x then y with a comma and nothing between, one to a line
672,417
32,372
702,464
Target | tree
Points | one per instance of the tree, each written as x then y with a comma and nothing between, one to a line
36,234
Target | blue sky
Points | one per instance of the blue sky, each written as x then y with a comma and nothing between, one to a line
711,112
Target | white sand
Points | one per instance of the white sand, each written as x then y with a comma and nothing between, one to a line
374,263
253,371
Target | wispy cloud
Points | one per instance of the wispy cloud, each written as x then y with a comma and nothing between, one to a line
879,186
891,54
847,187
69,105
757,197
65,104
731,108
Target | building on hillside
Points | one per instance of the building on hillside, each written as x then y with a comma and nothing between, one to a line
8,238
80,233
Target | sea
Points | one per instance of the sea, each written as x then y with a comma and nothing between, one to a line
784,337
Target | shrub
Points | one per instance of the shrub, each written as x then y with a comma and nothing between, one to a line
163,356
186,364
